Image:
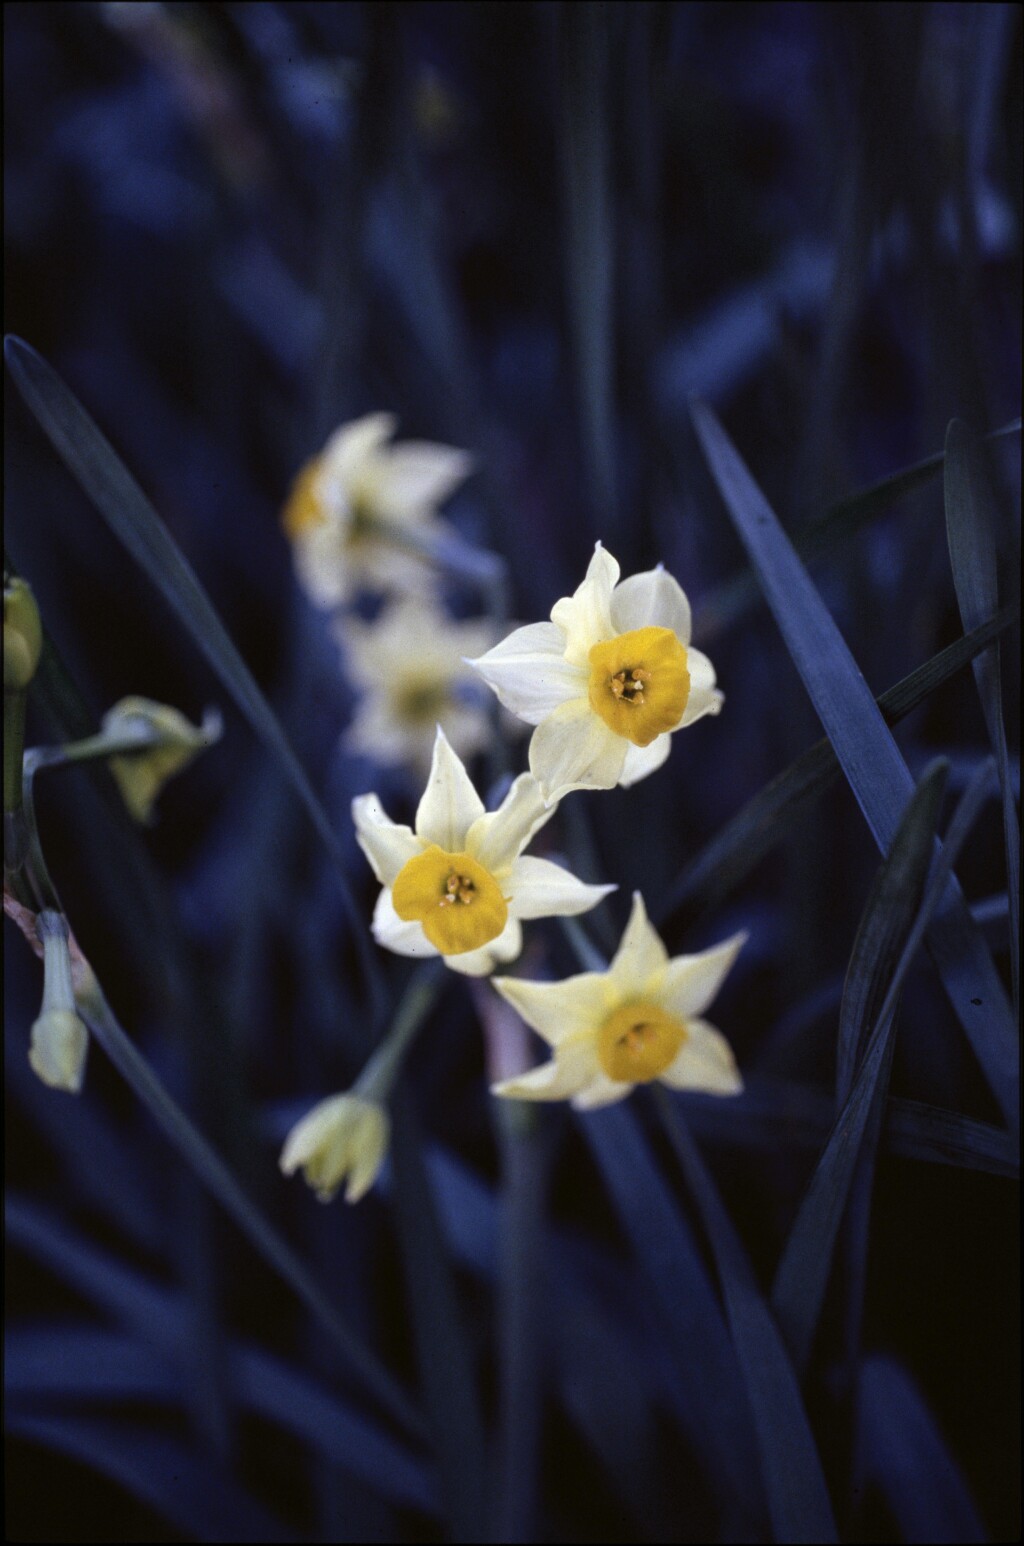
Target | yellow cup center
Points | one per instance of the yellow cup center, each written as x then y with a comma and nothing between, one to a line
638,1041
639,683
456,900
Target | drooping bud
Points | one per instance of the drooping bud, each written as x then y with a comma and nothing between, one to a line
59,1040
23,635
170,744
344,1138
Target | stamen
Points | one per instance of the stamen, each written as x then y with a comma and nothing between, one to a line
458,888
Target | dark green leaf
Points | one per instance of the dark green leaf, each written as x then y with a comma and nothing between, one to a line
443,1351
798,1498
971,532
217,1178
802,1276
870,758
584,97
885,923
743,842
824,534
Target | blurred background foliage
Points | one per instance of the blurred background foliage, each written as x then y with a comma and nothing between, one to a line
533,231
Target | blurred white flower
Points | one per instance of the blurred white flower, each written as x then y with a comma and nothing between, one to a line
343,1138
411,669
458,885
363,512
637,1021
606,682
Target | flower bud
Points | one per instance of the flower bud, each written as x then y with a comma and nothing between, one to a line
344,1138
141,775
59,1039
23,635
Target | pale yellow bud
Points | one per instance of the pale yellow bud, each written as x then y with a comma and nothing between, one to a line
23,636
344,1138
141,775
59,1039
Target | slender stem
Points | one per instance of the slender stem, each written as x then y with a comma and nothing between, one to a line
380,1072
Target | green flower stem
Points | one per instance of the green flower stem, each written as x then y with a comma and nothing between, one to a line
378,1076
15,835
93,747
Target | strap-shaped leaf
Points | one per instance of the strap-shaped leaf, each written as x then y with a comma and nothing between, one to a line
800,1282
902,1452
823,535
971,533
584,96
167,1475
886,921
680,1292
870,758
766,817
443,1351
218,1180
798,1498
95,465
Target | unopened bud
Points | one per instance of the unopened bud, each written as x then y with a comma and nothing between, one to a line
59,1039
23,635
342,1137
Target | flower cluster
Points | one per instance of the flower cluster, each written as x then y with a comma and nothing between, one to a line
362,519
604,685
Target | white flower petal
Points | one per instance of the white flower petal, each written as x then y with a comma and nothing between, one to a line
561,1011
705,1062
638,965
586,616
450,804
386,844
691,982
480,963
391,931
417,476
499,837
572,1070
704,695
350,446
652,599
642,760
528,673
574,749
602,1092
540,889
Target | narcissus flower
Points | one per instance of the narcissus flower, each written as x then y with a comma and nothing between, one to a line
362,513
637,1021
458,885
411,669
606,682
344,1138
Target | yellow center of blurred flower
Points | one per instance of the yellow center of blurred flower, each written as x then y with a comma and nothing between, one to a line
456,900
304,509
639,683
638,1041
421,700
